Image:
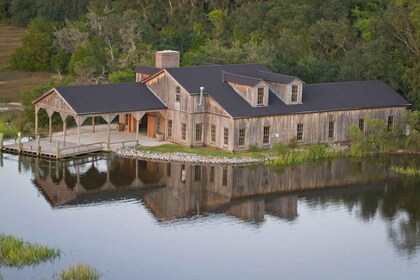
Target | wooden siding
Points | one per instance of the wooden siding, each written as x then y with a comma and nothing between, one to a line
315,126
284,91
250,94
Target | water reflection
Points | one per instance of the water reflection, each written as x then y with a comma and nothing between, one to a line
173,191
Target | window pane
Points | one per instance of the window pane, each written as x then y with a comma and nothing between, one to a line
266,134
169,128
331,130
299,134
184,131
241,139
199,132
213,133
226,136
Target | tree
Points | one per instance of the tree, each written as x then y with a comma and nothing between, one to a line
90,61
37,47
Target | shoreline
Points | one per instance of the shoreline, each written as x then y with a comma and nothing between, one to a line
130,152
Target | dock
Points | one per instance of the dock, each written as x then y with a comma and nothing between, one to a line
91,143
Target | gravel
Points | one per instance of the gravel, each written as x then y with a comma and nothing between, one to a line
185,157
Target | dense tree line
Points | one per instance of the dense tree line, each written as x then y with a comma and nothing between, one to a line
317,40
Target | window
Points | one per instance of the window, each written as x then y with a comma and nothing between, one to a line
226,136
331,129
177,94
294,93
362,124
197,173
213,133
224,176
126,117
169,128
390,122
183,131
211,179
260,97
266,135
241,138
199,132
299,134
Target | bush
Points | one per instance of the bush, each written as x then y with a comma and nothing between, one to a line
293,144
253,149
79,272
280,148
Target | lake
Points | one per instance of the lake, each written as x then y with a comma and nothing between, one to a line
134,219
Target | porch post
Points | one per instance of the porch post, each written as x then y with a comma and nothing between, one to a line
78,130
137,130
50,127
109,132
36,122
93,124
64,131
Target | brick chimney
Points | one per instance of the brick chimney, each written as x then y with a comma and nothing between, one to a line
167,59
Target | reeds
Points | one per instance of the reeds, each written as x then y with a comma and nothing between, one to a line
14,252
79,272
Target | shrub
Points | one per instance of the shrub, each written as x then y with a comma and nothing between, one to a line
253,148
79,272
293,144
280,148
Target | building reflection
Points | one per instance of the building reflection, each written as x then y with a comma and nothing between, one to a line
174,191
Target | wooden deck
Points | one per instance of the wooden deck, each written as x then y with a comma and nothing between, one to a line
90,143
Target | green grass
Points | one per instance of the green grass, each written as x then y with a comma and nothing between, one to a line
14,252
79,272
312,152
411,171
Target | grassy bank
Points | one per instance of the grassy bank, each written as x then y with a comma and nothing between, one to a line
14,252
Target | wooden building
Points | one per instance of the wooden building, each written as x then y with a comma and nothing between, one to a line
235,107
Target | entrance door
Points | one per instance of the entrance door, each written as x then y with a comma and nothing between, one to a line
151,127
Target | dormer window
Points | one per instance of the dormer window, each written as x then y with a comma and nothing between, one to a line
260,97
177,94
294,93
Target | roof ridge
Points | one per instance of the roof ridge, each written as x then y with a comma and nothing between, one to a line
90,85
346,82
215,65
239,75
274,73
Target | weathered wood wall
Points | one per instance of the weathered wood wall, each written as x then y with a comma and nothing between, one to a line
315,126
250,94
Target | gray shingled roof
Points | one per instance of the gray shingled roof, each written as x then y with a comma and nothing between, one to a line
239,79
316,97
150,70
274,77
110,98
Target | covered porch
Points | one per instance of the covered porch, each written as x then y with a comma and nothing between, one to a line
129,102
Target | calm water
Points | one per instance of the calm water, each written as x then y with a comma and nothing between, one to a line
132,219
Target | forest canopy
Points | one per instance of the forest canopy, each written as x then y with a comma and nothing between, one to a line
316,40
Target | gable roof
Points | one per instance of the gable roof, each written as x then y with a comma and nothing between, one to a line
109,98
315,97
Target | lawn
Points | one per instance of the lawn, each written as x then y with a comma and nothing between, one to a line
13,82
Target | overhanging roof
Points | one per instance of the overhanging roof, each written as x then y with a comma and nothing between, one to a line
109,98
